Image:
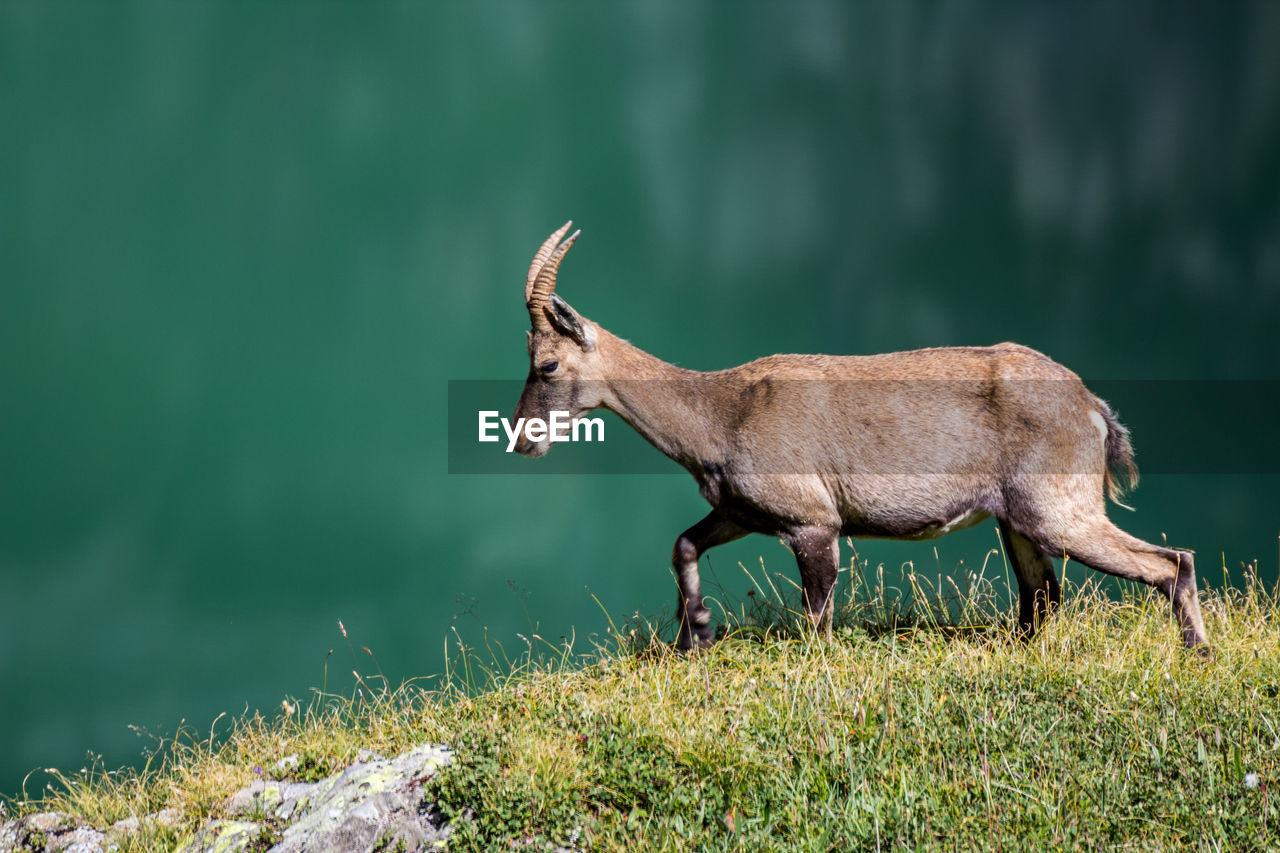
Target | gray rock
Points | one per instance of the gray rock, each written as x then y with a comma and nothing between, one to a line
81,840
52,832
285,764
259,798
129,825
121,828
369,802
47,822
12,835
224,836
295,797
373,803
167,817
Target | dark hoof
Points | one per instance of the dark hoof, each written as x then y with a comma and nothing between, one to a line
1203,651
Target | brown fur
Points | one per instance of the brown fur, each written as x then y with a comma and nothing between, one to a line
906,445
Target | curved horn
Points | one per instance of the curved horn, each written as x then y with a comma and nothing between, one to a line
545,283
541,257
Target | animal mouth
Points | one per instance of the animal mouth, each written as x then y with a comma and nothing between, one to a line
531,449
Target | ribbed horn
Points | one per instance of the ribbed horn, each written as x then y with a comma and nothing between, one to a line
541,257
545,283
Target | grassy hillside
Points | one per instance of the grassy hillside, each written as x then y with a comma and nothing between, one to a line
921,723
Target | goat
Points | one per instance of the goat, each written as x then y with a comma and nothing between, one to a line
905,445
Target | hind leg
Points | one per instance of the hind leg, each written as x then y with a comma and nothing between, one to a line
1038,590
1107,548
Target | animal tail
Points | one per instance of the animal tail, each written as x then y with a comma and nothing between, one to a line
1122,472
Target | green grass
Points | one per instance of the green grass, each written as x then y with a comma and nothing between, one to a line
920,724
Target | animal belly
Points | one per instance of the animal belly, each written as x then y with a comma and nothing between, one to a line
933,531
912,528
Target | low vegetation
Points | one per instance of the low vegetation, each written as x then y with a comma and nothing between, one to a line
921,723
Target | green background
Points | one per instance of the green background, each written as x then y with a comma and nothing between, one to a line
245,247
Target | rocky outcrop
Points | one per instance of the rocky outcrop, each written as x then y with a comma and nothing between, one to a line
375,804
53,831
57,833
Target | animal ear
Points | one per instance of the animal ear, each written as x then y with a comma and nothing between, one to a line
568,323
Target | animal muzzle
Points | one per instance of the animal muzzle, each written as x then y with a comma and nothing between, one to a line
532,449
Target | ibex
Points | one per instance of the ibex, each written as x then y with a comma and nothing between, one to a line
905,445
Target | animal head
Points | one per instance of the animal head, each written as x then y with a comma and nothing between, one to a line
564,357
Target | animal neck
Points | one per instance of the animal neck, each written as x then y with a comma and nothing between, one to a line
674,409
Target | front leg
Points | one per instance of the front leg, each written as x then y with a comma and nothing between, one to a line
695,618
817,553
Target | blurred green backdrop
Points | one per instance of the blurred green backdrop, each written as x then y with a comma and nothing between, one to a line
244,247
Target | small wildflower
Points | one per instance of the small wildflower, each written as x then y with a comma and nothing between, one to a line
1251,780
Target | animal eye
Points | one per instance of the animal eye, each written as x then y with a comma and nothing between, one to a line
549,367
